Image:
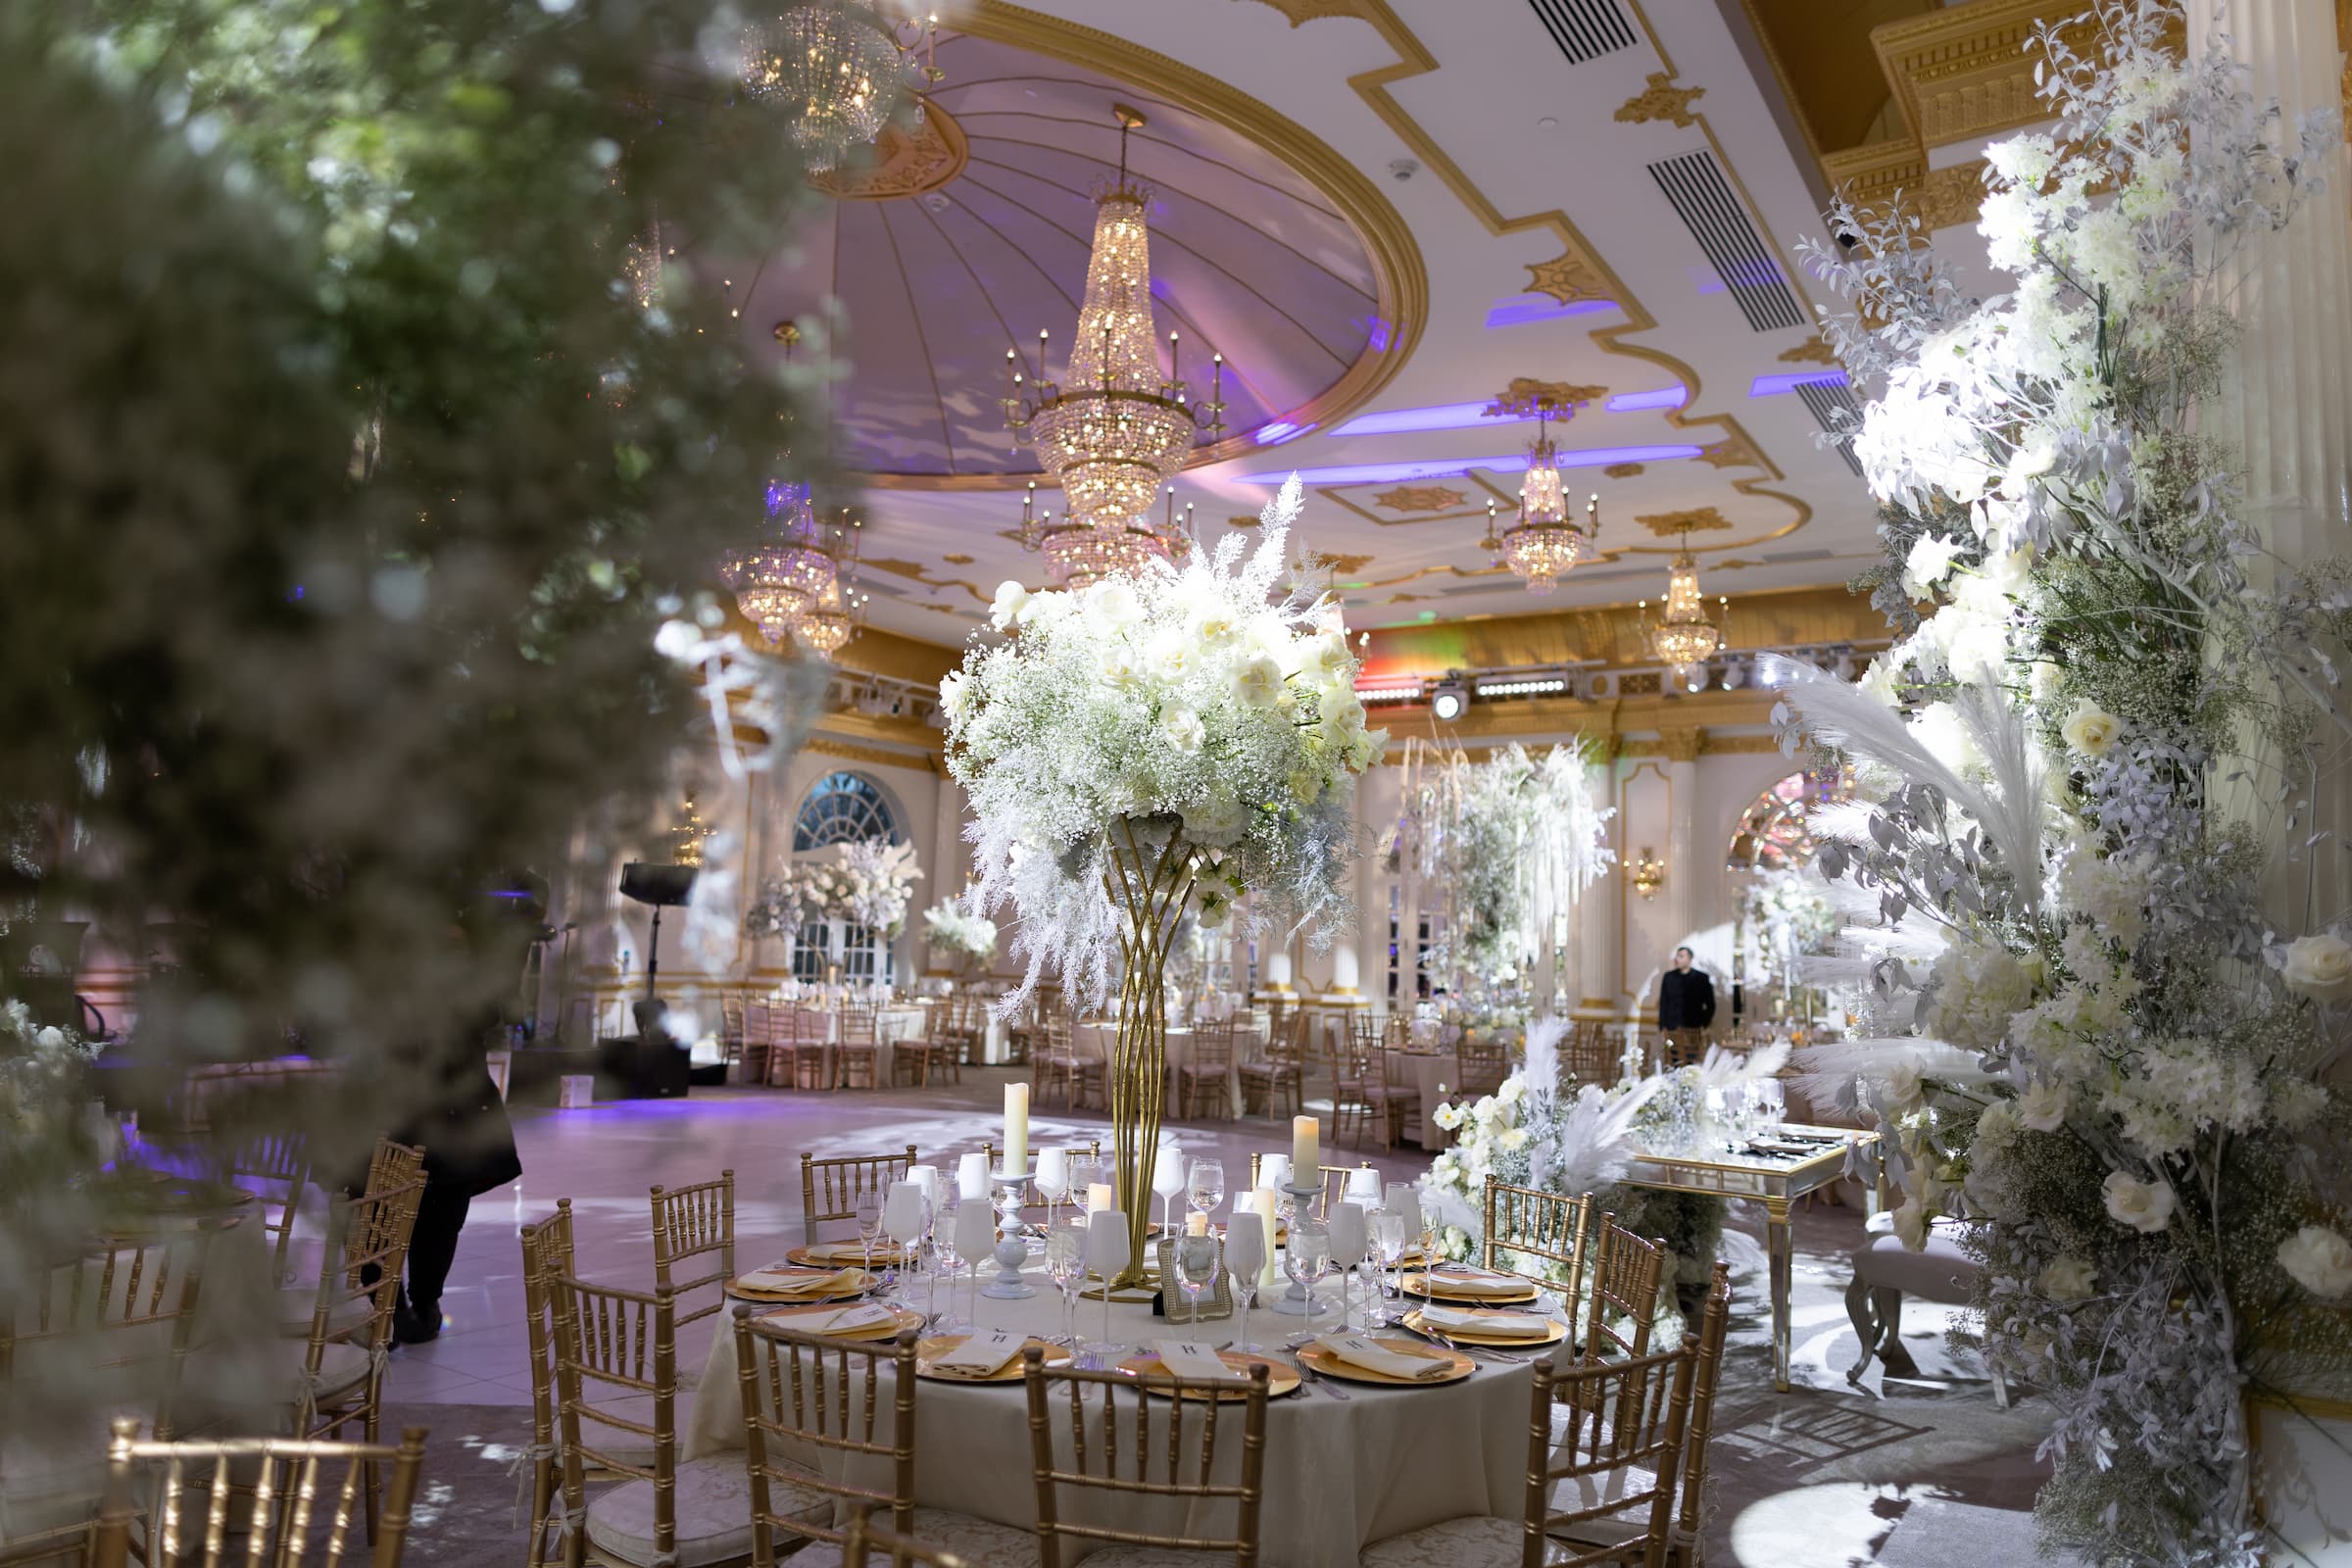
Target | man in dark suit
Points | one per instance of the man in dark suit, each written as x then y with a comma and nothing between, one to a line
1686,1007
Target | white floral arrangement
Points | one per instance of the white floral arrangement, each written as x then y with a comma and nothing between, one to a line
1194,707
1789,916
951,928
865,882
2091,1046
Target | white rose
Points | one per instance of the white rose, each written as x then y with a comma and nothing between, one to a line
1911,1225
1998,1124
1169,654
1365,748
955,693
2043,680
1905,1088
1011,598
1120,664
1215,821
2066,1279
1114,602
1931,558
1258,681
2043,1106
1307,785
2320,967
2318,1259
2091,729
1184,729
2145,1207
1327,655
1215,625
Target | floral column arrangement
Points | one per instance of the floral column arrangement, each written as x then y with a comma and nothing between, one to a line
1176,742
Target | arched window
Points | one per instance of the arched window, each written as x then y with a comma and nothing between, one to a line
843,808
1776,834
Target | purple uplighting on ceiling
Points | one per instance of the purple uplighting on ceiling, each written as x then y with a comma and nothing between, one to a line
1453,468
1464,416
1520,308
1665,397
1280,430
1765,386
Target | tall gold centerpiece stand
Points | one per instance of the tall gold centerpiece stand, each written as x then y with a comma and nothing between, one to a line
1149,881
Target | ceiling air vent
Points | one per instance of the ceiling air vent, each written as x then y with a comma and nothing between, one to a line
1585,29
1835,409
1703,198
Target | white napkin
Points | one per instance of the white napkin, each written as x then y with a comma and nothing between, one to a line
850,1252
840,1321
1479,1284
1356,1349
800,1282
981,1353
1195,1361
1501,1325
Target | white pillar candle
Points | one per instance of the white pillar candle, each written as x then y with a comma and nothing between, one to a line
1100,1198
1016,1127
1306,1135
1270,1217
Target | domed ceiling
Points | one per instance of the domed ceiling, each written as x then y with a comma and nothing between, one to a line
966,233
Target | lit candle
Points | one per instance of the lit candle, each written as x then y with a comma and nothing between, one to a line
1100,1198
1270,1217
1016,1127
1306,1133
1195,1224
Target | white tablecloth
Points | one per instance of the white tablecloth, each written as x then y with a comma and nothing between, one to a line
1339,1473
1098,1040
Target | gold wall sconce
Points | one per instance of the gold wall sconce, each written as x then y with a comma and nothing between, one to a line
1649,873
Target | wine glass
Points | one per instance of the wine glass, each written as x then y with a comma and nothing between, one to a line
1066,1266
1053,1179
1167,1180
1246,1242
1107,1254
1350,1240
1388,1240
1307,1259
1197,1261
869,1222
946,1221
1206,1187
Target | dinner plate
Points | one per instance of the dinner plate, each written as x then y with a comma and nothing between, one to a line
902,1319
929,1350
1432,1287
850,1257
1155,1376
1458,1366
754,1292
1558,1331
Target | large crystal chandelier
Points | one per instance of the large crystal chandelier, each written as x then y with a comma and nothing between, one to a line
827,622
787,569
837,67
1122,431
1685,634
1079,554
1543,546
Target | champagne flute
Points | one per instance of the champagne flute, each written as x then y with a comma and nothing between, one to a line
1246,1244
1107,1254
1351,1238
946,1222
1207,1186
869,1223
1066,1266
1388,1240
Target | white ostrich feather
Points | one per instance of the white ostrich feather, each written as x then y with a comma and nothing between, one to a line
1828,1069
1589,1148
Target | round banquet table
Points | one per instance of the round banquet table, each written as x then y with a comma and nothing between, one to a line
1339,1473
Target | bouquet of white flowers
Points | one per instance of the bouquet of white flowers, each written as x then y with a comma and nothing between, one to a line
958,930
865,883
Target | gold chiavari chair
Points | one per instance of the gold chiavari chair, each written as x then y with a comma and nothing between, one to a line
689,1222
1485,1064
1625,1272
1688,1549
731,1040
865,1540
613,1350
1334,1179
1155,1472
1207,1079
1081,1077
394,1165
823,1421
1360,1089
122,1314
1526,1228
813,1064
287,1479
1607,1470
342,1377
829,1187
282,1160
1587,1056
1276,1080
857,1050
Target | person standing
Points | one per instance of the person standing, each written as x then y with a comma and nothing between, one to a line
1686,1007
468,1150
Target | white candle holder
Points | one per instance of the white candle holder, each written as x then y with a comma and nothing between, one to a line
1298,1301
1012,1188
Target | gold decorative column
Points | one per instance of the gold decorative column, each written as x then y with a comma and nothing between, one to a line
1149,886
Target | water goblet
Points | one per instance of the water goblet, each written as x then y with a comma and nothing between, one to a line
1206,1188
902,1220
1167,1180
869,1223
1350,1240
1066,1266
975,1241
1388,1240
945,1223
1197,1261
1307,1259
1053,1179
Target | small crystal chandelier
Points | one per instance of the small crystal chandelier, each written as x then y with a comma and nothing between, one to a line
1684,635
1542,546
1080,554
788,568
1121,431
831,620
835,66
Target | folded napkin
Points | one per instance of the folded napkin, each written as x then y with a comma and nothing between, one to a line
1501,1325
841,1319
1462,1283
981,1353
800,1282
850,1252
1195,1361
1358,1349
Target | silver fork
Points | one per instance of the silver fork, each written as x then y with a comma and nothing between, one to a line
1320,1383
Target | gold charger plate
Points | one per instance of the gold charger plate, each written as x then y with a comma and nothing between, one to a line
1458,1366
1432,1287
929,1352
756,1293
1150,1371
1555,1332
902,1319
851,1257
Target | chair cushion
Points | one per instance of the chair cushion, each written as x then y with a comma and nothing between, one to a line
1470,1543
296,1304
1942,1273
342,1368
979,1542
1575,1493
1156,1557
713,1513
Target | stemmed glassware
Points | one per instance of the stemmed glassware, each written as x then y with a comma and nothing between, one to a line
1388,1240
1246,1244
1107,1254
1167,1181
1053,1180
975,1242
1197,1259
903,1218
946,1222
1066,1266
1307,1259
1350,1240
869,1223
1206,1187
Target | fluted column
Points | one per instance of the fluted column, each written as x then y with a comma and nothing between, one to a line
1601,913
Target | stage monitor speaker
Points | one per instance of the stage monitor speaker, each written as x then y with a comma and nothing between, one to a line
657,885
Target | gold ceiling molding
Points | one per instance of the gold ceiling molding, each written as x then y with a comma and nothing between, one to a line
1709,744
957,559
1697,519
1571,278
1302,12
1343,565
870,755
1660,101
1873,177
1419,498
1525,395
1736,453
1964,72
1610,722
1613,634
1401,277
1814,349
1623,470
1472,506
908,161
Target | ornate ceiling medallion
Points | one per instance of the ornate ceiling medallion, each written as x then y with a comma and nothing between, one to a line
1661,100
1417,498
1570,277
908,161
1701,519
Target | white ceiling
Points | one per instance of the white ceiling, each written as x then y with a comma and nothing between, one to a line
1799,518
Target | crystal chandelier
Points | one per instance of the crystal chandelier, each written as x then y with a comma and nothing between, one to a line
1684,634
835,66
789,568
1542,546
1122,431
1080,554
830,624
